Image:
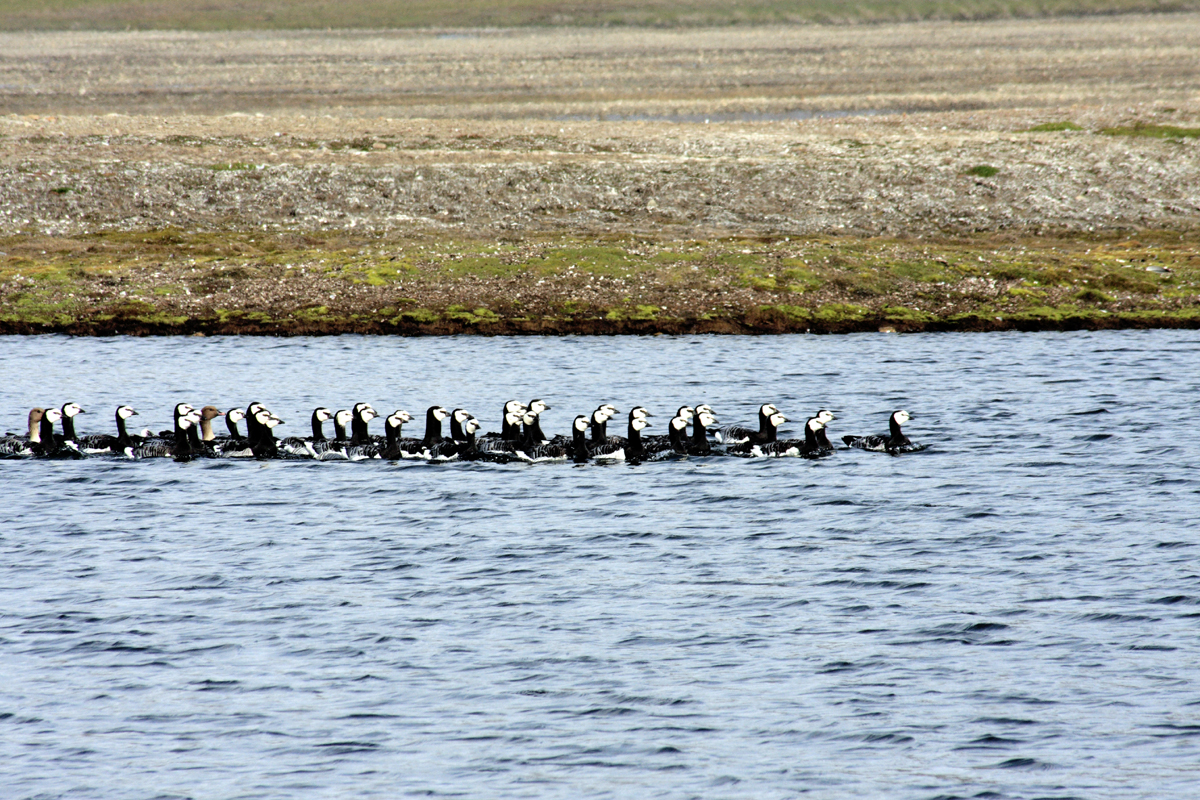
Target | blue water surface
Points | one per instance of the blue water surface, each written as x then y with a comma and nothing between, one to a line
1013,613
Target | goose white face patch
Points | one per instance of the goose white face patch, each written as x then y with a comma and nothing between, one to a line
778,419
707,419
236,415
901,417
72,409
440,414
324,414
53,414
582,424
125,412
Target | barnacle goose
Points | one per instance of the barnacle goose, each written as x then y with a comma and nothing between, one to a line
739,434
600,418
163,445
457,418
511,443
300,446
628,449
17,446
699,444
808,447
51,446
263,443
397,445
674,442
894,442
99,443
826,417
509,431
69,412
560,447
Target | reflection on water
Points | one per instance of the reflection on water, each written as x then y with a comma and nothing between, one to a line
1010,614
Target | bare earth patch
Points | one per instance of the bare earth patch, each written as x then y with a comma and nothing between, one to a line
567,180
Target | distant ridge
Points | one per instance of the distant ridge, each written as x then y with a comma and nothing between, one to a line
25,15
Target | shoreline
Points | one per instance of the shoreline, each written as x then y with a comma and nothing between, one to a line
171,283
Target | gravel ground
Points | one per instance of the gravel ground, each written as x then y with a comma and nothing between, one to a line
909,132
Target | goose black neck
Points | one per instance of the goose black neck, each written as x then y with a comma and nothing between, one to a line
433,428
810,438
634,447
358,426
579,447
68,426
46,432
317,428
231,424
510,431
535,431
674,436
456,431
894,428
699,432
122,435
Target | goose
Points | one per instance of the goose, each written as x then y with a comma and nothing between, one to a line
629,449
600,418
674,443
468,449
434,416
560,447
894,442
69,412
163,445
457,418
699,444
509,431
496,444
826,417
739,434
531,435
263,443
808,447
207,415
99,443
233,444
397,446
298,445
667,440
187,441
340,420
359,417
199,448
49,445
747,448
15,446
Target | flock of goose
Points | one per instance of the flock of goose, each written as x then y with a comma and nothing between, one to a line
519,439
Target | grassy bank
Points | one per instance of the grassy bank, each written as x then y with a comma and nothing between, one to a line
320,14
170,282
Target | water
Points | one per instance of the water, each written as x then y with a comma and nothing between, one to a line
1013,613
